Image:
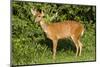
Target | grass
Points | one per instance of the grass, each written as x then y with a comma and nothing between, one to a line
26,51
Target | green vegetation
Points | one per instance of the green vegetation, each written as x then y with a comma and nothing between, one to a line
29,43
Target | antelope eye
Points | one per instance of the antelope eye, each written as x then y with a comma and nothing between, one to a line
39,16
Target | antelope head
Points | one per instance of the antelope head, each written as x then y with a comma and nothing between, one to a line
37,14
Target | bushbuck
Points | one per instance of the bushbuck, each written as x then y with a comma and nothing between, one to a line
60,30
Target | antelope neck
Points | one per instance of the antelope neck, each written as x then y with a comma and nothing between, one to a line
43,25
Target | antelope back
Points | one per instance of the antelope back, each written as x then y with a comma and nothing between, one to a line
64,29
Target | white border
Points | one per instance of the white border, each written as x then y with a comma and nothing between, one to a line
5,33
83,2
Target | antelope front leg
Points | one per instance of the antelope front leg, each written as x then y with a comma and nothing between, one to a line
76,44
54,48
80,45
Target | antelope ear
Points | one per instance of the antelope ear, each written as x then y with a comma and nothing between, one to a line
42,13
33,11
